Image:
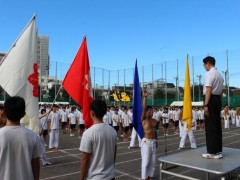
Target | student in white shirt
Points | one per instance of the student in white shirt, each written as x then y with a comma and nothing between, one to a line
200,114
44,124
116,120
125,123
53,128
226,117
41,124
238,117
109,113
176,120
64,119
233,115
130,115
106,118
81,126
98,146
20,148
72,121
190,135
165,121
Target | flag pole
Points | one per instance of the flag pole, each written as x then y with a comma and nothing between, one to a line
13,45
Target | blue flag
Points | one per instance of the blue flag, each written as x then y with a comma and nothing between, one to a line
137,105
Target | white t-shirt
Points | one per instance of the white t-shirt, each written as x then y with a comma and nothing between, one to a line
165,118
125,119
200,114
116,118
176,115
64,116
54,119
109,113
233,114
80,116
18,146
155,115
130,115
120,112
100,140
72,118
106,119
194,115
170,114
44,123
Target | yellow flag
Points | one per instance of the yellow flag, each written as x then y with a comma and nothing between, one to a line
187,100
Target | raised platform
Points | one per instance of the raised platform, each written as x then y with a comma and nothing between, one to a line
192,159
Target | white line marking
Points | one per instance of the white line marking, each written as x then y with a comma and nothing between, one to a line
69,174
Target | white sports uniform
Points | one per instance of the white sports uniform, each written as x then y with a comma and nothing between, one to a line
106,118
149,157
237,121
54,126
191,137
233,116
72,118
226,121
64,116
43,156
133,138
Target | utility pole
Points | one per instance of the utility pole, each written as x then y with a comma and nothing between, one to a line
102,83
94,81
199,82
56,81
228,91
177,80
225,79
152,87
142,78
165,83
193,90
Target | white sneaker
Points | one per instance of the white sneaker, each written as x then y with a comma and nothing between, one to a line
129,147
212,156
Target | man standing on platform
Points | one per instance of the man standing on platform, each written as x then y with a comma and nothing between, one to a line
149,142
212,91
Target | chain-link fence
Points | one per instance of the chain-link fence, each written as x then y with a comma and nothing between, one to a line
164,80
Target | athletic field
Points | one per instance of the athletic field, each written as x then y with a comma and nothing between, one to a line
66,161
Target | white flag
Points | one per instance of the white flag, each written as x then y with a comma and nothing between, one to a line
19,73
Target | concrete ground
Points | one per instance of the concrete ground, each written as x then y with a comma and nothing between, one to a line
66,161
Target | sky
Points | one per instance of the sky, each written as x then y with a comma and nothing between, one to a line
121,31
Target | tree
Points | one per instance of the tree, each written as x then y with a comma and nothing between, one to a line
160,94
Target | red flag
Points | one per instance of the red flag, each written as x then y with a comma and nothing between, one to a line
78,84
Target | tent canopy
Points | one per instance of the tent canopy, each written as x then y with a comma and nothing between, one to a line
180,103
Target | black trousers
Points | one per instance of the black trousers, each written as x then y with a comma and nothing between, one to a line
213,125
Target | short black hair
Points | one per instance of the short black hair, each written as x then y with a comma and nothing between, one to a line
43,110
209,59
14,108
55,105
99,107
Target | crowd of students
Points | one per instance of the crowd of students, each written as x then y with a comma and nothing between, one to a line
69,117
